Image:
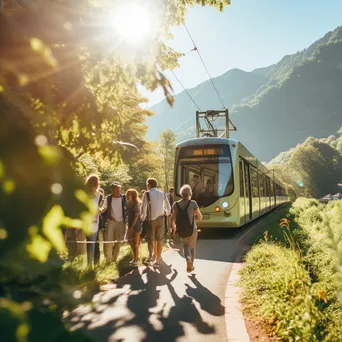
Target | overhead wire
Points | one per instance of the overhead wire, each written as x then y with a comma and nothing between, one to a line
205,67
186,91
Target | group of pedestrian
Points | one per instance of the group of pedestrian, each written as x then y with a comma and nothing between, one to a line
117,211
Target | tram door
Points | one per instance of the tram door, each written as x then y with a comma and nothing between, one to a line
248,193
242,195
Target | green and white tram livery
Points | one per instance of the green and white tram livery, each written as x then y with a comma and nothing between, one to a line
229,184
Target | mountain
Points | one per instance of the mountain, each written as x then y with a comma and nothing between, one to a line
274,108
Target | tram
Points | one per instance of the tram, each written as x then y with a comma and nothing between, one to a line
229,184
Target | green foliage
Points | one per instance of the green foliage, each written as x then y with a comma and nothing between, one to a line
298,295
278,286
148,163
167,149
68,88
77,275
107,171
313,168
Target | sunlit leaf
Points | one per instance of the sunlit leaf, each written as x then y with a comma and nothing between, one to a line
22,332
8,186
39,248
51,227
2,170
15,308
51,154
23,80
36,44
3,233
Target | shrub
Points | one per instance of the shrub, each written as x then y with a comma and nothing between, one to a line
278,289
297,291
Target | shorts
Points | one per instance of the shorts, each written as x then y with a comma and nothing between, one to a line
155,229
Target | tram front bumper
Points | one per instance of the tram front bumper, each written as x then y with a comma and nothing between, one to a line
218,220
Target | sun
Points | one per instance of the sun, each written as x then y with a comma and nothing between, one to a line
132,22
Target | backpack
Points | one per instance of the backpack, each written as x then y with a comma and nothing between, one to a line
147,221
184,227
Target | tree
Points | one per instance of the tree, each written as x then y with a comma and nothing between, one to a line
67,87
167,148
320,167
106,170
82,86
148,163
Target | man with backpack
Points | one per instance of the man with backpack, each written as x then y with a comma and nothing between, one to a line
154,205
185,214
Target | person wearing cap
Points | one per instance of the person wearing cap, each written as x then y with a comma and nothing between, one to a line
114,212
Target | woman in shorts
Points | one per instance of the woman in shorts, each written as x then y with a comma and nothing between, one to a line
134,224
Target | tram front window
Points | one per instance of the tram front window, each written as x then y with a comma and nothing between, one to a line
210,177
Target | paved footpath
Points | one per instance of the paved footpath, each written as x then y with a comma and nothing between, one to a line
168,304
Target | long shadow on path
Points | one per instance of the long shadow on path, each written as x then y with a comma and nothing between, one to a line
146,305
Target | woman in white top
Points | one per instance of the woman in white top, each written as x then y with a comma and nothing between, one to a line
92,187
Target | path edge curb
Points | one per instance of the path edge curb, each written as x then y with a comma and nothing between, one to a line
235,323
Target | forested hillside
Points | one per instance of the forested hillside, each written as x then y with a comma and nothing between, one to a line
313,168
274,108
334,140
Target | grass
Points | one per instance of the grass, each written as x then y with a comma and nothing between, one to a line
78,274
277,292
292,283
270,225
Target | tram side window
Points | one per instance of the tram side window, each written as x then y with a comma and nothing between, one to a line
261,184
267,186
254,183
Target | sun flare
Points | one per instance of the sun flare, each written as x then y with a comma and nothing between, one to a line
133,22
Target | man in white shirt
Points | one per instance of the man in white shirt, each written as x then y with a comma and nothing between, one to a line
154,205
114,211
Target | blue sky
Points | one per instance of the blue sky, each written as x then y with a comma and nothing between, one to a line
249,34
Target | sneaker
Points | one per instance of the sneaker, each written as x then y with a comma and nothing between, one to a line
134,264
189,267
149,261
156,264
131,262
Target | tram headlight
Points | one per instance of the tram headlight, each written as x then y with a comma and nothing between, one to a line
225,205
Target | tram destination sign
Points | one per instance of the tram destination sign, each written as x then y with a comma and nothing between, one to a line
203,152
